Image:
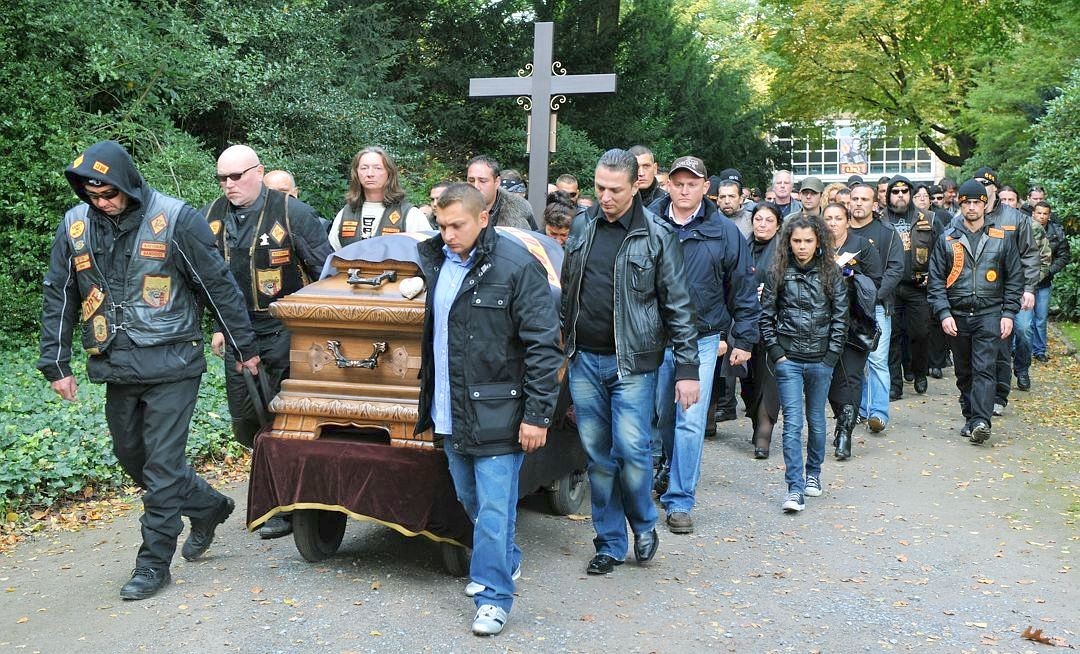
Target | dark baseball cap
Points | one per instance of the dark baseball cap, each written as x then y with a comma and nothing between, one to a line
691,164
731,175
986,175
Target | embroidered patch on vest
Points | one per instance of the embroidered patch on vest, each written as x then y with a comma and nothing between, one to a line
101,167
957,263
153,250
268,281
78,161
991,275
394,217
79,245
390,230
921,256
995,233
77,228
215,227
158,223
82,262
101,329
156,290
92,302
1009,228
348,228
280,257
277,232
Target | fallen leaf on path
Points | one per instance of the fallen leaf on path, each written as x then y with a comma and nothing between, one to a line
376,585
577,516
22,620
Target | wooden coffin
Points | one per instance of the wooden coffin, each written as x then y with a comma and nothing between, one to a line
355,354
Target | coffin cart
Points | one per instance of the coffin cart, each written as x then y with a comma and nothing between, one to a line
342,445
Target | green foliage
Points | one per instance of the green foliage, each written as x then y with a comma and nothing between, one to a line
1066,293
52,449
1055,163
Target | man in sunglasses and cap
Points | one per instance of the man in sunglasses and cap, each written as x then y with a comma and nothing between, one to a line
274,245
139,266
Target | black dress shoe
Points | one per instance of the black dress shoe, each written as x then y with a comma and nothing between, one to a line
276,527
1023,382
645,546
602,564
761,453
920,385
144,583
895,395
909,376
725,415
202,532
936,373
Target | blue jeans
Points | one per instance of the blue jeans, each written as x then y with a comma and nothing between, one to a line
1021,341
875,393
487,487
1042,314
804,387
614,419
683,432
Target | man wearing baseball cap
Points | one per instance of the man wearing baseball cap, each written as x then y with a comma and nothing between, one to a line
975,283
1017,226
720,280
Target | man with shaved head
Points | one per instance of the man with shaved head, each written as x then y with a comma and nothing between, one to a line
281,180
274,245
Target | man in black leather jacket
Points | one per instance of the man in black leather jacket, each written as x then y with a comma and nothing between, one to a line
624,301
489,380
976,281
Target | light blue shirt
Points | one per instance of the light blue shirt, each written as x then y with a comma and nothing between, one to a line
446,289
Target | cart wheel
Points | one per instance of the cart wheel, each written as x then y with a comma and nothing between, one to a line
318,533
455,559
568,494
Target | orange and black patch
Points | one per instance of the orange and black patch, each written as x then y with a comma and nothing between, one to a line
280,257
348,228
153,250
82,262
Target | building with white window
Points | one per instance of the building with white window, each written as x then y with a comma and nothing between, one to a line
835,150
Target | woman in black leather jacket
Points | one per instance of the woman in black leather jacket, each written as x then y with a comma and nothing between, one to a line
860,265
804,313
759,391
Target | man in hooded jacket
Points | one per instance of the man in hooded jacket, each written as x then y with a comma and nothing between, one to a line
140,266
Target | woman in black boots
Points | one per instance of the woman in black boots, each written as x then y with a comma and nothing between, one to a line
759,391
861,266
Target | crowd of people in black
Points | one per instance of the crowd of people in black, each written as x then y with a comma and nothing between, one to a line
677,289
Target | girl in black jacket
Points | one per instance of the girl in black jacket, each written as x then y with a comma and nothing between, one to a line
860,266
804,313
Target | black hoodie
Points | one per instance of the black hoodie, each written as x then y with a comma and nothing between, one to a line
192,252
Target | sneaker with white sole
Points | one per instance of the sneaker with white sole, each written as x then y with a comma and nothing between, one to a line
473,588
489,620
794,503
813,486
999,409
876,424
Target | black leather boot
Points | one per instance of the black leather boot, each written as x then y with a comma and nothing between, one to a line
844,424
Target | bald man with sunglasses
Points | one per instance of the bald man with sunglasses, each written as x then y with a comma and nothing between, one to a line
274,245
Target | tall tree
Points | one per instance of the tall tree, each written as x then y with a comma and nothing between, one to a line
904,62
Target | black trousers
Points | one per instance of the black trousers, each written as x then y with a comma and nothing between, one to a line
149,428
939,348
274,353
911,317
975,351
847,380
1004,372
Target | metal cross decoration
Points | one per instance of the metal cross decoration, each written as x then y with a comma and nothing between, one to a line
541,88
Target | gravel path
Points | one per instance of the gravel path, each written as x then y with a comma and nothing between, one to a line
920,542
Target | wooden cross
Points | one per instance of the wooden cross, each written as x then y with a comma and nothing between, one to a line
541,88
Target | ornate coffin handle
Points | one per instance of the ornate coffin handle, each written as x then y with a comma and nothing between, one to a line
385,276
370,363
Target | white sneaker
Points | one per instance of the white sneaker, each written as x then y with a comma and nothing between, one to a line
999,409
489,620
793,503
473,588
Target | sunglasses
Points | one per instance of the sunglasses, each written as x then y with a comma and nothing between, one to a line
104,195
938,197
899,191
234,176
